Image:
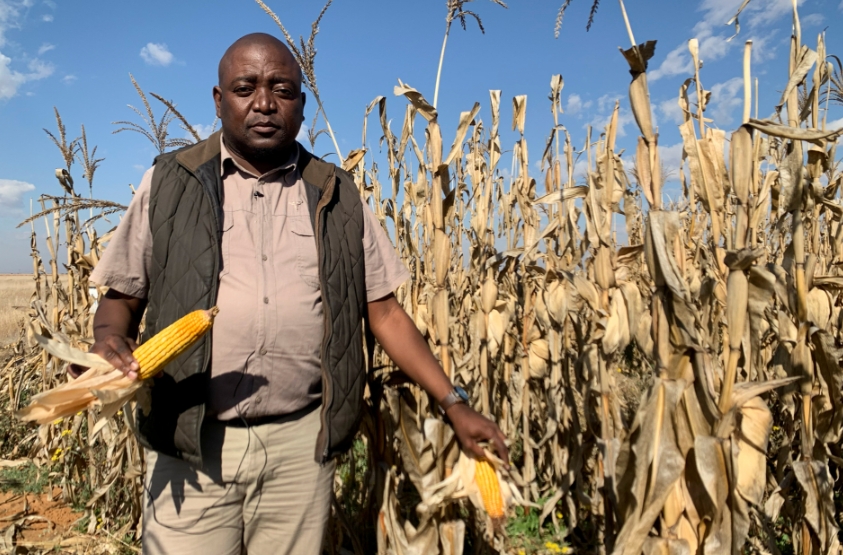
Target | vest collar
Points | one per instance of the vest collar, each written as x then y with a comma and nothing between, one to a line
315,171
194,156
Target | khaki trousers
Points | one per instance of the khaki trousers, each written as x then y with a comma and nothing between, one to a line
260,492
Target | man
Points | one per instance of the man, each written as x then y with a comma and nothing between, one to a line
242,430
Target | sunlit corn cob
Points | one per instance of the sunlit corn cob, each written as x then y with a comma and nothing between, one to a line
490,489
105,386
172,341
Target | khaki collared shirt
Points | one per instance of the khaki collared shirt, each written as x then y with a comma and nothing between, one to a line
268,334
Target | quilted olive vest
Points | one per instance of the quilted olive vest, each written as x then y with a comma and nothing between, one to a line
185,212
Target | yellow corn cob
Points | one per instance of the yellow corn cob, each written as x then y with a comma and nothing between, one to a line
172,341
490,488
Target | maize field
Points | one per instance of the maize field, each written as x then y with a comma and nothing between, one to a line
668,374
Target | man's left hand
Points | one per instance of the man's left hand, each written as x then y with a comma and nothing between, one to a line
471,427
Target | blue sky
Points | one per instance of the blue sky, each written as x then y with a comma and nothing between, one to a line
77,56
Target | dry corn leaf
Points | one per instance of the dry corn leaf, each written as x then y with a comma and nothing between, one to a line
649,467
617,336
813,477
815,136
418,101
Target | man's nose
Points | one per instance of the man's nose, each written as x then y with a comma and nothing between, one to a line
264,100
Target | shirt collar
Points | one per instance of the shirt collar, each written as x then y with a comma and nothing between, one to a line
226,158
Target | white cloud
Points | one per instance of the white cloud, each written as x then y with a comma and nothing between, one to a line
11,194
671,110
204,131
11,80
48,17
302,136
763,47
718,12
11,13
156,54
607,102
625,117
68,79
580,168
676,62
836,124
714,46
671,159
39,69
813,19
46,47
726,98
576,104
605,108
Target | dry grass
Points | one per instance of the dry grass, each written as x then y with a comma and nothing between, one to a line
15,292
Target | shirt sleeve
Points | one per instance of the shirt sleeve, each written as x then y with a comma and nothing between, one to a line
124,265
384,270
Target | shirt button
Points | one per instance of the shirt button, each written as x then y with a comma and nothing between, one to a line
258,401
263,351
266,300
264,257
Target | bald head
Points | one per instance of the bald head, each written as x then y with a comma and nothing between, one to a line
257,41
259,101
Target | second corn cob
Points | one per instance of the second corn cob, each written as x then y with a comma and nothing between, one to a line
490,488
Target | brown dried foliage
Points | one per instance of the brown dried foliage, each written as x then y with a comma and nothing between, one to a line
725,308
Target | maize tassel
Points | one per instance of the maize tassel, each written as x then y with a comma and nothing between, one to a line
490,488
172,341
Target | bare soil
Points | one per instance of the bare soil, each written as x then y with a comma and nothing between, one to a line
39,520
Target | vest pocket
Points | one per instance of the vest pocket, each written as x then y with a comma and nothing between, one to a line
306,258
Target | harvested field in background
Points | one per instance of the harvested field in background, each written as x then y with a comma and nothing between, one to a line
15,293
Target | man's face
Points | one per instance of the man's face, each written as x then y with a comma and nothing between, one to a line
259,101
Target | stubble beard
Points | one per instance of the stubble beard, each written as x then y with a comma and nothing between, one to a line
264,155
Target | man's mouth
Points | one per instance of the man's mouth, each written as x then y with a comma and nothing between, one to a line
264,127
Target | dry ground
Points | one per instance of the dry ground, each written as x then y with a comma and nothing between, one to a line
37,524
15,291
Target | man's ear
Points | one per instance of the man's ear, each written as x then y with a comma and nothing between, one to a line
217,99
303,102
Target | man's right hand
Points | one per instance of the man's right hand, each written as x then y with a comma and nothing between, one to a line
115,324
115,349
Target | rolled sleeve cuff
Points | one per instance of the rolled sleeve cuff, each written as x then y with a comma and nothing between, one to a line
127,286
384,288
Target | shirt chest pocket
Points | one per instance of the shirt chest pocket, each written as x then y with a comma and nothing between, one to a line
307,260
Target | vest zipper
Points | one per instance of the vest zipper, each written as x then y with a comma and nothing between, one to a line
325,433
215,245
